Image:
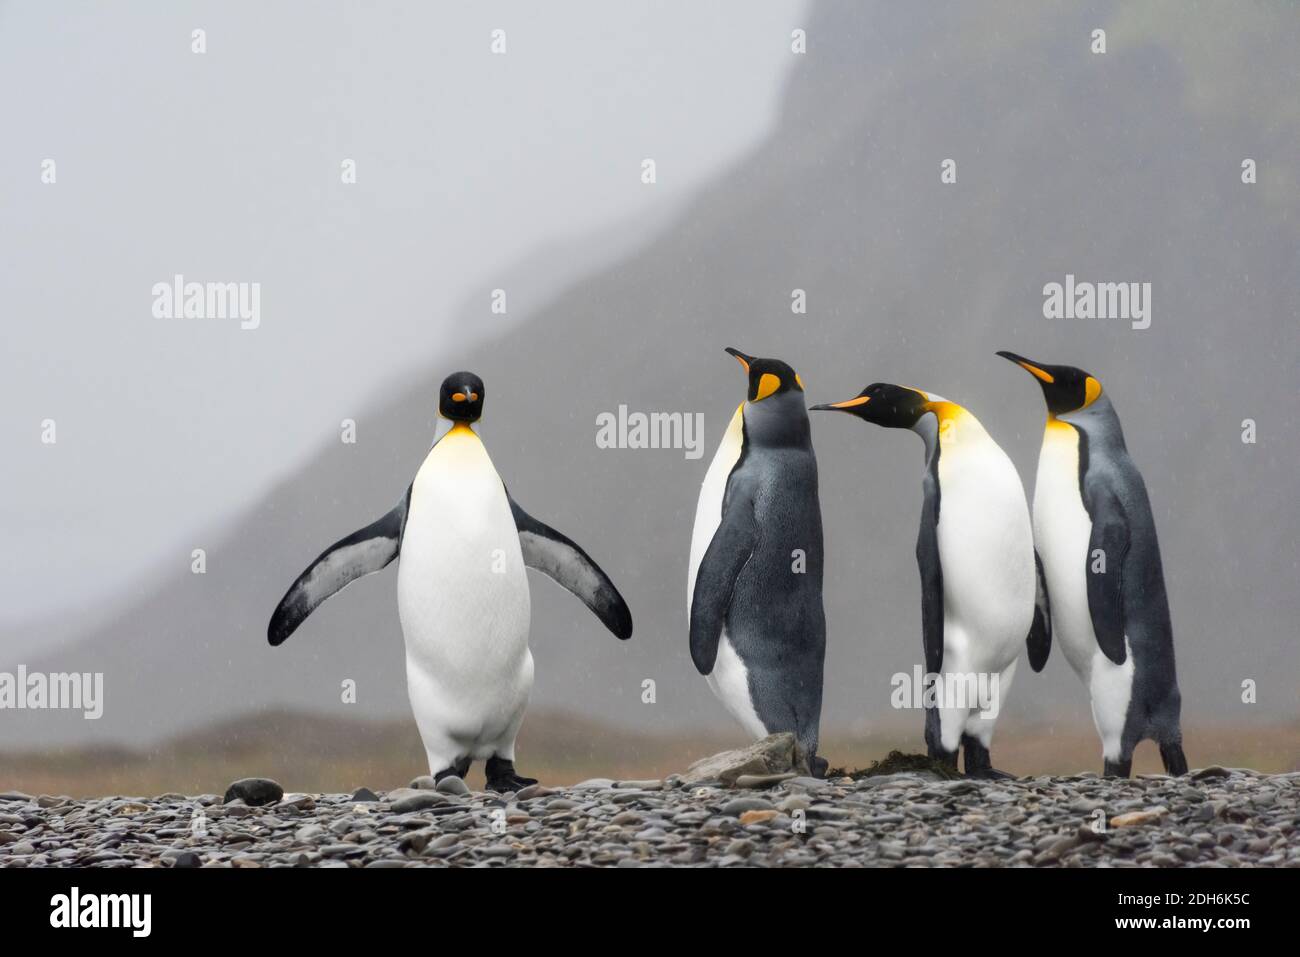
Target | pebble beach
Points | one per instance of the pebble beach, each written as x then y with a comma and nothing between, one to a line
1214,817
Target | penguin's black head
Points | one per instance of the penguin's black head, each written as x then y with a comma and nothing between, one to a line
461,397
892,406
775,415
1065,388
767,377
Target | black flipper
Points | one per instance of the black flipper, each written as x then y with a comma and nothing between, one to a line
927,560
732,545
566,564
364,551
1106,586
1039,641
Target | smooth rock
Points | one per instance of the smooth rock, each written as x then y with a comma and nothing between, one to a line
1134,818
255,792
532,791
775,754
420,801
416,841
738,806
451,784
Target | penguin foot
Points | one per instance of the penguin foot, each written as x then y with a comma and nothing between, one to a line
948,758
990,774
1117,769
507,785
819,767
459,768
1175,761
978,763
936,752
501,776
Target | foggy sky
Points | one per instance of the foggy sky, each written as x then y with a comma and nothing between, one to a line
225,166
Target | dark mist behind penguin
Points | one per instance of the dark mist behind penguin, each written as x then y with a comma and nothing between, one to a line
1097,539
757,624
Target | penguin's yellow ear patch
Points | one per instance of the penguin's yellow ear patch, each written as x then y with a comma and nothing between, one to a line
458,397
1091,390
767,384
798,380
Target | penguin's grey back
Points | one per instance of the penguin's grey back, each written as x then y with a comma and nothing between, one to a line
1105,466
777,621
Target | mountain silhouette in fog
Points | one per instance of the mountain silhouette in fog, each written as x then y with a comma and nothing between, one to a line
1123,167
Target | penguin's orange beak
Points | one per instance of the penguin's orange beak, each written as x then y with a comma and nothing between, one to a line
846,404
1041,374
743,359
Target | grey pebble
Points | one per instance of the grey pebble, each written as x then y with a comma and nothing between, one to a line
451,784
760,781
419,802
738,806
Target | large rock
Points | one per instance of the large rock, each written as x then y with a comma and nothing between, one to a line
255,792
775,754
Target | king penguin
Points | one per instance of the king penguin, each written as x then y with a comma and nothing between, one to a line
462,594
1094,530
980,586
754,590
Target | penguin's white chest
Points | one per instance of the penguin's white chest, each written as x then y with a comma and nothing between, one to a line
708,509
1063,532
729,680
986,553
462,595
